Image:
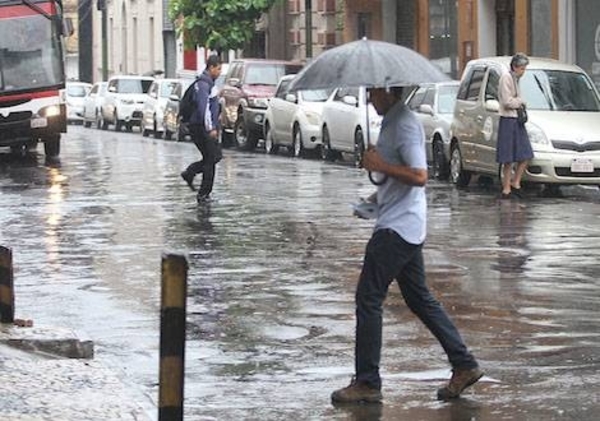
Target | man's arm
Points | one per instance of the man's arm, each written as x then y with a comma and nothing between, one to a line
373,162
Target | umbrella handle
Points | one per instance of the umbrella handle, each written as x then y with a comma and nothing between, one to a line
377,182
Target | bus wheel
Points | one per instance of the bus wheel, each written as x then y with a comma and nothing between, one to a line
52,146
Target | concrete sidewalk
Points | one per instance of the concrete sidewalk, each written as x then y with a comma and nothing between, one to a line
49,374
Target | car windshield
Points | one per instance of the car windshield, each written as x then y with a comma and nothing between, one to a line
77,90
317,95
166,89
558,91
446,99
267,74
134,86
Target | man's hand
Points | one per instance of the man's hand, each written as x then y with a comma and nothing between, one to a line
372,161
213,134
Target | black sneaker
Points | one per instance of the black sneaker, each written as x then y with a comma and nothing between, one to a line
461,379
189,179
357,392
203,198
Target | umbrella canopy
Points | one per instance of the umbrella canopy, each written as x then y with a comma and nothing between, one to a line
374,64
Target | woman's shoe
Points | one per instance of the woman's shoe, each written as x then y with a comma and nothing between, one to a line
517,192
505,195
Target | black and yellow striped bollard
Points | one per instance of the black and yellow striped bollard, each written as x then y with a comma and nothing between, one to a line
7,292
172,337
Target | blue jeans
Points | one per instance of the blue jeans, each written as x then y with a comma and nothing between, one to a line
389,257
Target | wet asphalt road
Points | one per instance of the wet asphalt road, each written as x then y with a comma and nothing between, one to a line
273,264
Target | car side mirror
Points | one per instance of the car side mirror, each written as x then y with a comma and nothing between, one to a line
426,109
350,100
112,89
291,98
492,105
173,97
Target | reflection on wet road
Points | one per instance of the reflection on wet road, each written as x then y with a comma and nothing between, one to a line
273,264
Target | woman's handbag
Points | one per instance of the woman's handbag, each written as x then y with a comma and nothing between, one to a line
522,114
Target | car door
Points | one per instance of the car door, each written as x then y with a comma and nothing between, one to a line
488,117
89,103
467,118
342,118
149,105
230,95
280,110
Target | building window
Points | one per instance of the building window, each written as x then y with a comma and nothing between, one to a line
326,39
295,37
363,26
443,29
326,6
294,6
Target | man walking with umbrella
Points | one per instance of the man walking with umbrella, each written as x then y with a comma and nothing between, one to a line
395,252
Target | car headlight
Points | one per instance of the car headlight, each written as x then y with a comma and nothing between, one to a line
127,101
537,137
50,111
258,102
313,118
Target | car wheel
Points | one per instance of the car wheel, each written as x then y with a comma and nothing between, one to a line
157,134
243,139
227,139
118,123
458,175
326,153
87,124
440,166
270,146
52,146
298,144
359,147
102,122
168,134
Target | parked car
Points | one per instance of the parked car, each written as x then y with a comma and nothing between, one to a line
349,124
75,93
172,122
92,105
433,104
564,122
244,97
154,107
124,101
293,119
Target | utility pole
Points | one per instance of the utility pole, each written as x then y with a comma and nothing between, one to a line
308,24
101,5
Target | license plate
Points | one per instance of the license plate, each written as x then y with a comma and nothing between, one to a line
582,165
39,122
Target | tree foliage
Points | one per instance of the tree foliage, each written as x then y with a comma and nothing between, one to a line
217,24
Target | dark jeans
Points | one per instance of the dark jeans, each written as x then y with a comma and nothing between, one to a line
389,257
211,154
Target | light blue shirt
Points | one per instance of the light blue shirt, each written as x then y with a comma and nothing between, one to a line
402,208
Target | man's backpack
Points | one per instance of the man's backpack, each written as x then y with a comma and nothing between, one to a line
188,103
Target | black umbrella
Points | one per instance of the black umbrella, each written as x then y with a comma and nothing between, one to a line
374,64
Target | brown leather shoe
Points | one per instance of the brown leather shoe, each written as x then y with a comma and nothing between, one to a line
357,392
461,379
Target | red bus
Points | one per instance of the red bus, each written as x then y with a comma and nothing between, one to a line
32,75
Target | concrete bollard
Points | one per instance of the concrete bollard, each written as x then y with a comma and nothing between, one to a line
7,292
172,337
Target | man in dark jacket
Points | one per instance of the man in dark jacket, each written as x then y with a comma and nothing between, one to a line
204,128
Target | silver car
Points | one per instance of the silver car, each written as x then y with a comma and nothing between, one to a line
433,104
564,122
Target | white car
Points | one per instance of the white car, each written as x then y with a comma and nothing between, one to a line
75,94
433,103
346,127
124,101
92,104
153,112
293,119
